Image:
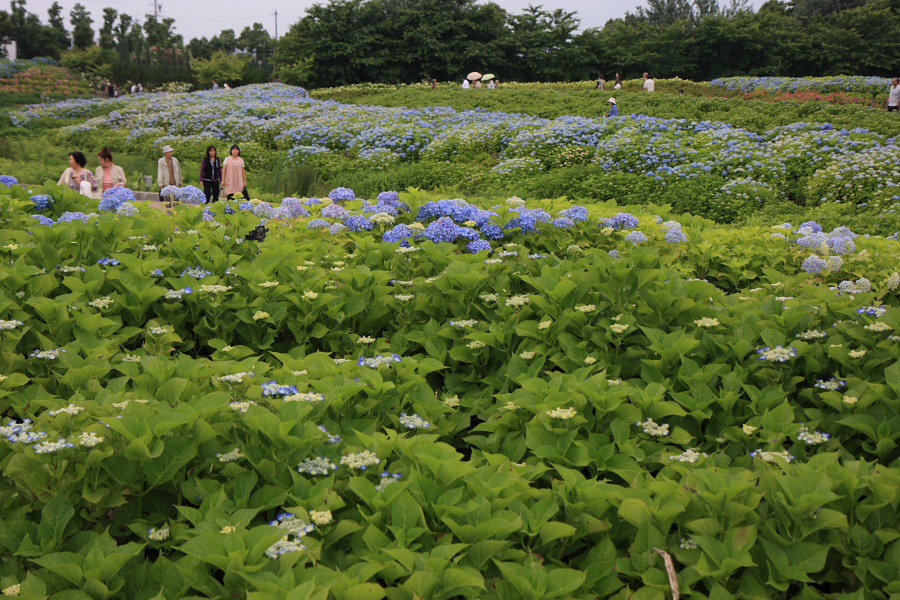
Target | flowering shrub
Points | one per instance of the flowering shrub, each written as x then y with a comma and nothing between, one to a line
432,385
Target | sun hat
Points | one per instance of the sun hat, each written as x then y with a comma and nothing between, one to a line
611,100
167,148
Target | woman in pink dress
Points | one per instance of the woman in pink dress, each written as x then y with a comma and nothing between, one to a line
234,178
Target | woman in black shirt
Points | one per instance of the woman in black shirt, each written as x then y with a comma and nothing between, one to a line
211,174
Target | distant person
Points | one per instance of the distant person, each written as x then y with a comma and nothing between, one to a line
618,85
465,84
234,176
215,85
492,84
111,89
109,174
649,84
601,81
211,174
227,87
168,170
477,84
140,88
76,177
613,108
893,102
133,88
681,92
434,84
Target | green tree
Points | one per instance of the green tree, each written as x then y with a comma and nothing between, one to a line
199,48
224,42
58,25
544,43
221,66
82,32
256,42
107,34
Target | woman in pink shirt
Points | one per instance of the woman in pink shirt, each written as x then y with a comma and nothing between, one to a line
234,177
109,174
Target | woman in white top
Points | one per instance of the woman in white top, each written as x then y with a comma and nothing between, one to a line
78,178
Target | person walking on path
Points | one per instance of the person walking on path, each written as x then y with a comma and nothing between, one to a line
109,174
618,85
613,108
78,178
168,170
234,175
465,84
601,81
649,84
211,174
893,102
215,84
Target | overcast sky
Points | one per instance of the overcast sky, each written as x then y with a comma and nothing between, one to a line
207,18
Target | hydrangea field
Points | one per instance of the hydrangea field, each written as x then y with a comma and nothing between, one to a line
842,83
719,170
412,396
415,395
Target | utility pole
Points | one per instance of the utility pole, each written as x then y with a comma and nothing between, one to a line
156,8
276,25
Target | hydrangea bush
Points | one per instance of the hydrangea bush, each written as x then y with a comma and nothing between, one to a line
493,400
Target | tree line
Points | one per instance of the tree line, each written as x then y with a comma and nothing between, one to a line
400,41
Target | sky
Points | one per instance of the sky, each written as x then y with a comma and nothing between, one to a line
207,18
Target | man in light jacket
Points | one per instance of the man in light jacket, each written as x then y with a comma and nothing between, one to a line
168,171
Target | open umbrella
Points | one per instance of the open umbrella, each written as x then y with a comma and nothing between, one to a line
473,75
488,77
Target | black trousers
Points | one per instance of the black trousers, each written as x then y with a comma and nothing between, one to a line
211,189
246,195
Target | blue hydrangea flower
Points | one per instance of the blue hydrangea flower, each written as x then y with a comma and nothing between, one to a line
815,227
127,209
294,208
273,388
442,230
170,192
478,246
42,202
68,217
115,196
621,221
337,228
311,202
563,223
245,205
43,220
813,240
635,238
196,272
191,195
335,211
8,180
229,209
358,223
399,233
674,235
108,260
341,194
388,198
491,231
814,265
614,254
841,245
576,213
318,224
